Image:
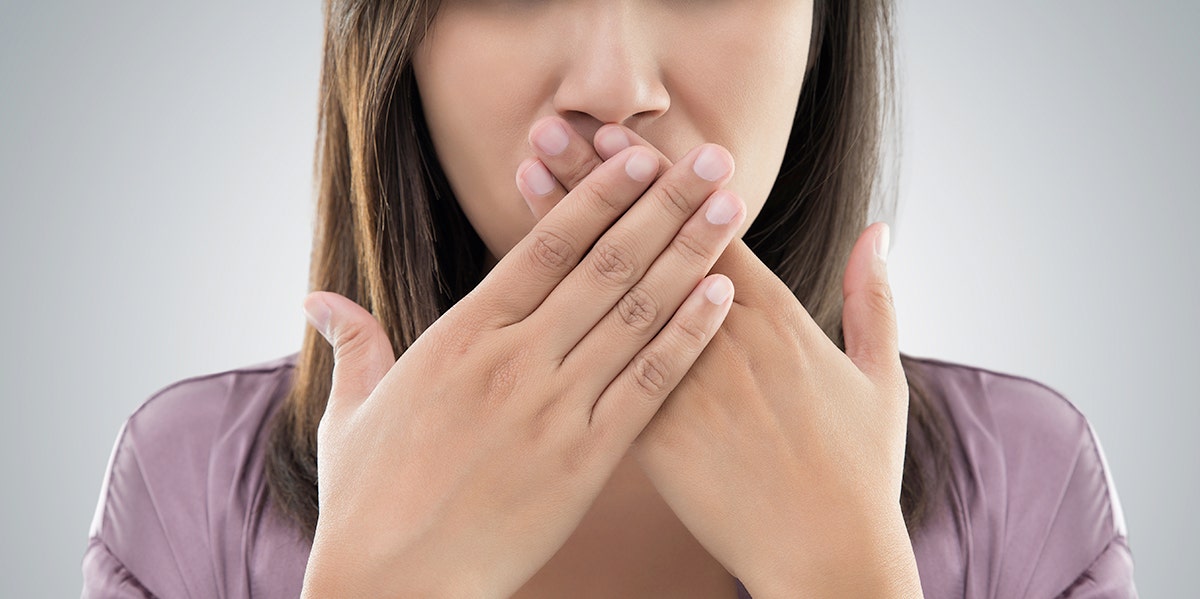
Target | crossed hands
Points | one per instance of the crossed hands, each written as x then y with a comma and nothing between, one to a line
460,467
780,453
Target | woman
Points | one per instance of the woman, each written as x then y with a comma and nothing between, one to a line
654,373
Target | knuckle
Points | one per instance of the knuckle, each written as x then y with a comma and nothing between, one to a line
551,251
355,348
612,263
352,340
544,422
599,193
692,249
473,315
674,199
451,346
691,333
501,373
501,378
880,295
638,309
576,456
650,373
577,172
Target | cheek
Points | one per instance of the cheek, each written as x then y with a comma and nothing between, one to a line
476,116
740,87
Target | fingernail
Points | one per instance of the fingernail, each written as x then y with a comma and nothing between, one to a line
539,180
318,315
711,164
551,139
718,290
613,140
721,209
641,166
882,239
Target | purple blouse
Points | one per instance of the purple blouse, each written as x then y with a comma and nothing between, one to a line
184,511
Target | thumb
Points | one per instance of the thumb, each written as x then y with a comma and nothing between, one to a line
362,352
868,313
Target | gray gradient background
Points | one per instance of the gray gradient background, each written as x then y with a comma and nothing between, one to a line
155,175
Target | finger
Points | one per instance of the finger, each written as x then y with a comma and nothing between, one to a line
756,282
868,313
625,252
563,150
737,258
362,352
527,273
635,395
541,191
640,314
544,179
612,138
558,148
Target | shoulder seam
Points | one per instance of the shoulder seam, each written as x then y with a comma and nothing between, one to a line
100,515
1116,513
1007,375
212,375
1112,499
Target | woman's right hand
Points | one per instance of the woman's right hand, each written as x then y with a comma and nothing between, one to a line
461,468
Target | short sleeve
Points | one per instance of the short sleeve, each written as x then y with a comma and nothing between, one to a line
1110,576
105,577
127,547
182,504
150,522
1064,533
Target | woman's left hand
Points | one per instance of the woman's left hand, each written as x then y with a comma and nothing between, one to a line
781,454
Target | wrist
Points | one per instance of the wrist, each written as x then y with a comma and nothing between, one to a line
872,557
332,572
326,576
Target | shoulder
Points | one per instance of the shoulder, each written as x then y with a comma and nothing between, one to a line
172,432
168,439
181,470
1041,507
191,409
1022,409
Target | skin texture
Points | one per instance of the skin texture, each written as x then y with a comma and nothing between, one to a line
678,73
781,455
461,467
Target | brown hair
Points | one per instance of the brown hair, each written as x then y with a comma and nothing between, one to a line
389,236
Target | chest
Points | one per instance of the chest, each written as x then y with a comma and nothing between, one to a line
631,545
609,567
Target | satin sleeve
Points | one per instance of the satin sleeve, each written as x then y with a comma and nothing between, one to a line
1109,577
1047,520
149,530
105,577
1081,548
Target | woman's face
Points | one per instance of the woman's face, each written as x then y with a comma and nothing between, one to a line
677,72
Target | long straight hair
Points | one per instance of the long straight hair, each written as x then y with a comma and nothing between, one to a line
390,235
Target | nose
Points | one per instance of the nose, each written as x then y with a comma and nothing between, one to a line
613,70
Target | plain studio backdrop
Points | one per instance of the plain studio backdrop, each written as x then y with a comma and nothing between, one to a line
155,172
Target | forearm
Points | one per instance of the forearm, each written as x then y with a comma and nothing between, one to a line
875,561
